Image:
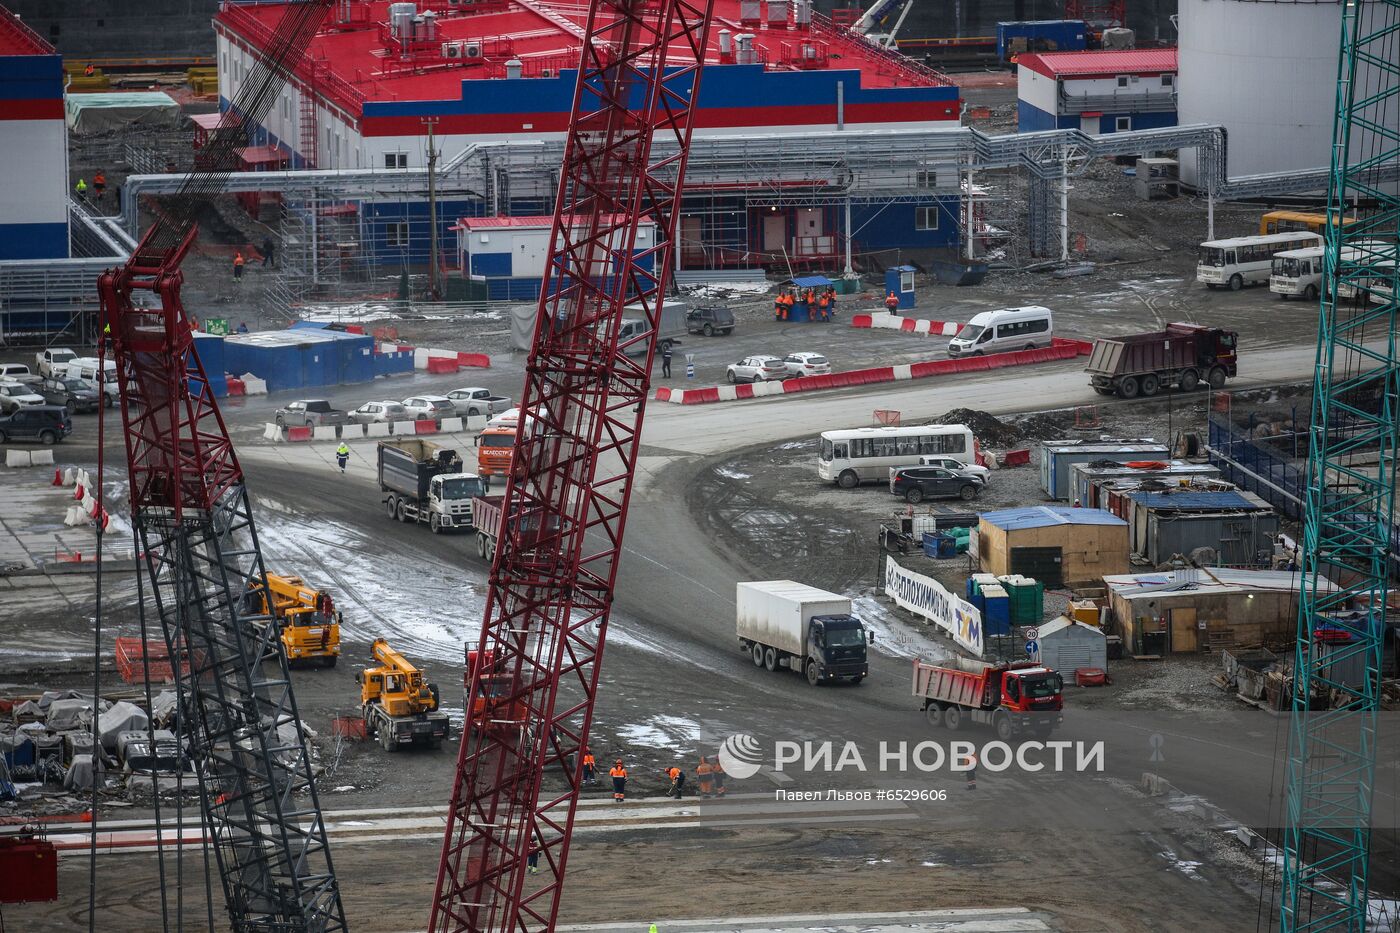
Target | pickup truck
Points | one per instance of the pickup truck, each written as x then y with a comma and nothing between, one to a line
17,372
72,394
475,400
52,361
312,412
1014,698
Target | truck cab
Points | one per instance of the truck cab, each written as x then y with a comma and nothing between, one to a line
1014,699
1031,690
450,498
836,645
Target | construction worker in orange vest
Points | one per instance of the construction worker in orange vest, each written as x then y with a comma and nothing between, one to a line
237,266
778,304
891,302
90,70
703,777
619,779
590,767
824,305
99,184
677,778
788,302
717,775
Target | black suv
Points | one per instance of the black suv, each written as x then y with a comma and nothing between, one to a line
47,424
925,482
710,321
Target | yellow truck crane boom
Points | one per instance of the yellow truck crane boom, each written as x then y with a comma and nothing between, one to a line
397,706
310,623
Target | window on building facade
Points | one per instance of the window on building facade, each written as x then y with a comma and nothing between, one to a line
1122,80
926,218
396,234
926,179
1122,124
1168,80
396,160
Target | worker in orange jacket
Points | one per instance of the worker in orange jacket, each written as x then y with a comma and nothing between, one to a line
824,305
717,776
779,305
677,778
590,767
891,302
237,266
704,778
619,779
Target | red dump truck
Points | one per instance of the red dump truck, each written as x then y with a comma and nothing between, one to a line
486,518
1183,355
1014,699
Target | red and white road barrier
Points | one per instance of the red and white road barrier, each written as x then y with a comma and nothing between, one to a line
910,325
1061,350
347,432
435,360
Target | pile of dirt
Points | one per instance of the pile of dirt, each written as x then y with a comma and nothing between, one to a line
1046,425
990,430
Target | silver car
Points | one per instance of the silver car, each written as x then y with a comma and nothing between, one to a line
430,407
16,395
309,412
757,369
385,412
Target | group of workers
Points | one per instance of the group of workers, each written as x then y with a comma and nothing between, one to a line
709,776
820,302
99,187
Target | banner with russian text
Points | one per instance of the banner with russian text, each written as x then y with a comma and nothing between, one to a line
925,596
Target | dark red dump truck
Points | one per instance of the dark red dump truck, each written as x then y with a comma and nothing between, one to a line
1182,356
1014,699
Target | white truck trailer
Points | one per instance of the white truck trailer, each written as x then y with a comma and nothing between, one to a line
782,623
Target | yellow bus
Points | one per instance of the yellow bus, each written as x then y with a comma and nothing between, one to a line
1288,221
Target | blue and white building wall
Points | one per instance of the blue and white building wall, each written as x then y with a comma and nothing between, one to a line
33,147
1097,92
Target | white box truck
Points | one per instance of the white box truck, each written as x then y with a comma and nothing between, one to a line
786,624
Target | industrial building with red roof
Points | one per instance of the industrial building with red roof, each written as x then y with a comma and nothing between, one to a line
1108,91
503,72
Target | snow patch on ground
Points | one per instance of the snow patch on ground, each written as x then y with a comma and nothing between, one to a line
666,732
359,313
1185,866
725,289
893,636
730,473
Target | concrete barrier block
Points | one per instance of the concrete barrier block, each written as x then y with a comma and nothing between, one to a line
252,385
405,427
272,432
728,393
75,516
17,458
70,476
476,422
451,425
904,372
41,457
323,432
302,433
377,429
351,431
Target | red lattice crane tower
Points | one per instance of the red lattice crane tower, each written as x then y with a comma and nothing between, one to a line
199,551
566,496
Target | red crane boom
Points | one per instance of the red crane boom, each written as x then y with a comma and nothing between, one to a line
566,496
199,550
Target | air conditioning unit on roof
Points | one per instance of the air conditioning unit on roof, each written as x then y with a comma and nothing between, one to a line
546,72
471,49
451,50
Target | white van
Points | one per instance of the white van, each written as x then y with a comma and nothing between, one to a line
84,368
1028,328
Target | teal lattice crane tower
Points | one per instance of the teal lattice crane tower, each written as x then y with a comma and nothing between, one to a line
1349,522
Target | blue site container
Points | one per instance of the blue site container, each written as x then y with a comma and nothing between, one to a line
356,358
996,611
1043,35
900,280
388,364
209,349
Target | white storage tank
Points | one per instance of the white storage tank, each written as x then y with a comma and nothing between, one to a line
1266,70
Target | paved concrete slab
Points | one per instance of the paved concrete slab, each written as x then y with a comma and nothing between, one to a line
33,537
949,920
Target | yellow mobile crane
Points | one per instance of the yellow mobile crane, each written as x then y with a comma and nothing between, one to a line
310,623
397,705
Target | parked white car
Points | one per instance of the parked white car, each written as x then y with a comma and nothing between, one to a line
384,412
16,395
807,364
16,372
425,407
957,466
53,360
757,369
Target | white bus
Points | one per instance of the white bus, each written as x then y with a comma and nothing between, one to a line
1297,272
1246,260
1379,256
865,455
